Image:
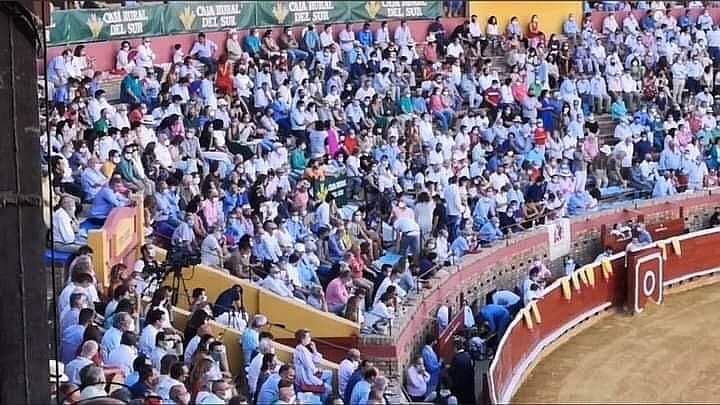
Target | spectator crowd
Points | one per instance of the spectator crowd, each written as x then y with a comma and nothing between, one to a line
341,170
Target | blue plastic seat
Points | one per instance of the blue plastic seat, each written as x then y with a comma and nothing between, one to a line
59,257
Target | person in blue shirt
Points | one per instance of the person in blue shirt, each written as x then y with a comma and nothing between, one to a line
92,178
308,276
580,202
269,393
496,317
648,22
663,186
235,229
618,110
231,199
251,43
644,236
365,37
484,209
670,157
570,27
490,231
296,227
419,102
131,88
166,204
106,199
148,379
251,337
536,156
311,40
336,250
433,364
361,391
462,245
507,299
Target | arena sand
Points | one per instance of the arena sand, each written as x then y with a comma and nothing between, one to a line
669,353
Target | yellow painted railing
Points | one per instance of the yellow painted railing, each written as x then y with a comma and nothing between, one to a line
289,312
232,339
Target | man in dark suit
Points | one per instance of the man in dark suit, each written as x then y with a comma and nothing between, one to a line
462,374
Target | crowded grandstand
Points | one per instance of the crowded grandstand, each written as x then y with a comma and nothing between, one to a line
275,172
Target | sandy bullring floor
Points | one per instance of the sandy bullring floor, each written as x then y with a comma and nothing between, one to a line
669,353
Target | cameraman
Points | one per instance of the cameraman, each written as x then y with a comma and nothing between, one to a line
229,308
230,299
145,266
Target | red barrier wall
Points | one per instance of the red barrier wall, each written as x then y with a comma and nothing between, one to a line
521,345
105,52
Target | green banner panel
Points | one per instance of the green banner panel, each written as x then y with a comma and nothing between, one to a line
393,10
181,17
91,25
107,24
274,13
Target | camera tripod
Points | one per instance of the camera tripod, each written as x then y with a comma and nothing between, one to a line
177,282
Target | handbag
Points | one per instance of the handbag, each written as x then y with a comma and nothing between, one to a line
315,389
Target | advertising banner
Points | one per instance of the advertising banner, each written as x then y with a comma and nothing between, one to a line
274,13
182,17
92,25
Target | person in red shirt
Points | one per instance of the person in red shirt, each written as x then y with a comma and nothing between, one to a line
492,100
357,268
540,135
351,143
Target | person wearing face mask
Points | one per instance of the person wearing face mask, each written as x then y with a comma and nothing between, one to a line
233,47
306,357
177,393
124,355
212,252
92,178
215,392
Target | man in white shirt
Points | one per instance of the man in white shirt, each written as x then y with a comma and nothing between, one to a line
145,57
455,206
499,179
253,371
631,91
148,337
403,36
475,30
392,279
204,51
628,148
211,252
609,25
623,130
408,236
97,104
349,364
122,322
88,351
630,24
65,227
275,283
124,355
326,37
81,281
455,49
679,75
